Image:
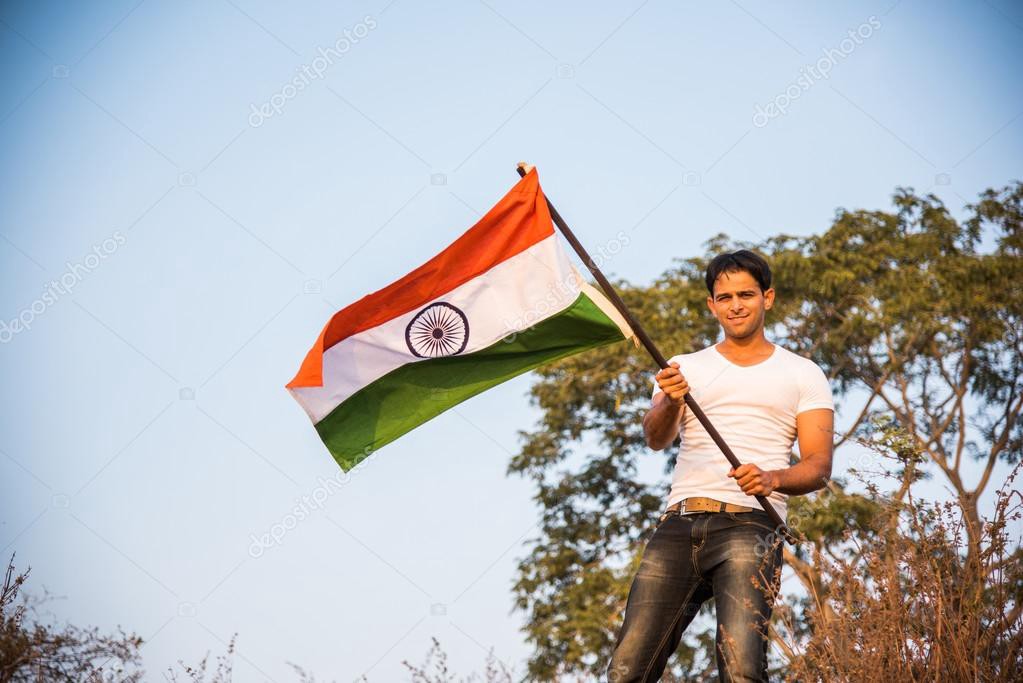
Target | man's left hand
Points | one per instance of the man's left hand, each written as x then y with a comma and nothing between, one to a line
754,481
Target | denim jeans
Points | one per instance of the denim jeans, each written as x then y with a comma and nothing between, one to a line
731,557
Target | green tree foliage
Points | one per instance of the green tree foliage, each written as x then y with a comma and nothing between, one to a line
915,317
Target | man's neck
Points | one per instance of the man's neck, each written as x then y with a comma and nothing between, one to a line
752,348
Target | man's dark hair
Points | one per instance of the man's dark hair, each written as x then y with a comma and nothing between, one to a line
744,259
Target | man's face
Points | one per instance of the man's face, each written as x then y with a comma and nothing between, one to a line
739,304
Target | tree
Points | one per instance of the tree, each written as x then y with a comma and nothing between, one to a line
905,307
910,318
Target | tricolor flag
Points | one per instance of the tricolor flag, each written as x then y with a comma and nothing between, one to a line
499,301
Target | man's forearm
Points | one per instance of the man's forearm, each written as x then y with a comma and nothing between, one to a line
661,424
805,476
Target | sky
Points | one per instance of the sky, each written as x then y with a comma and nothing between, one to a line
190,189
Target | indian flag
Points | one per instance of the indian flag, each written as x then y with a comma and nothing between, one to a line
498,302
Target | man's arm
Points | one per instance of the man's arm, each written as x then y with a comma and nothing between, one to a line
662,421
815,431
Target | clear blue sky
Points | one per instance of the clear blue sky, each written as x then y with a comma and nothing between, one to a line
146,435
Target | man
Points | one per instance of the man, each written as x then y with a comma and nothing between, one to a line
714,540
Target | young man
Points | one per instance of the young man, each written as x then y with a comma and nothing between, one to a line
714,540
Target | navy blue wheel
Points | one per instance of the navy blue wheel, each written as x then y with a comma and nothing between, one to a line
440,329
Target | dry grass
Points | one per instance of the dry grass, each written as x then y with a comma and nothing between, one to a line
907,602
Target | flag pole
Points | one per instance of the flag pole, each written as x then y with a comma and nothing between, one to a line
656,354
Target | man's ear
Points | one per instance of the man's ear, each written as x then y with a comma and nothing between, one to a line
769,298
710,305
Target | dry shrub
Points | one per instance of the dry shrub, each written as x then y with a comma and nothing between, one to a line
435,669
910,600
32,648
199,672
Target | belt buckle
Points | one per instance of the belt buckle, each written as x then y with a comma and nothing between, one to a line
670,511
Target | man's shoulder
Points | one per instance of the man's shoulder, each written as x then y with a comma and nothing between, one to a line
802,372
793,359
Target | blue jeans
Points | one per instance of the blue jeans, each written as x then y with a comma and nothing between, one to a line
731,557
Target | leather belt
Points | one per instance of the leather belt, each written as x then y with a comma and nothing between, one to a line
691,506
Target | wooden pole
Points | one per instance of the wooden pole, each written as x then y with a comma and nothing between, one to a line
658,357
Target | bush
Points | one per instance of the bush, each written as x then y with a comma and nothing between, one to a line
904,599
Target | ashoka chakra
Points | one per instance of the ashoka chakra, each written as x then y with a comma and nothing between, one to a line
440,329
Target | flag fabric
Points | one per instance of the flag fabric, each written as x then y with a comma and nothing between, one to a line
499,301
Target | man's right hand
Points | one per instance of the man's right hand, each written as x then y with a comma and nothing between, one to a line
673,383
661,423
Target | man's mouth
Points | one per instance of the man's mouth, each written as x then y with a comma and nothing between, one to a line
738,317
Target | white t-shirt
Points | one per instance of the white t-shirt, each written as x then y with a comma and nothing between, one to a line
754,408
